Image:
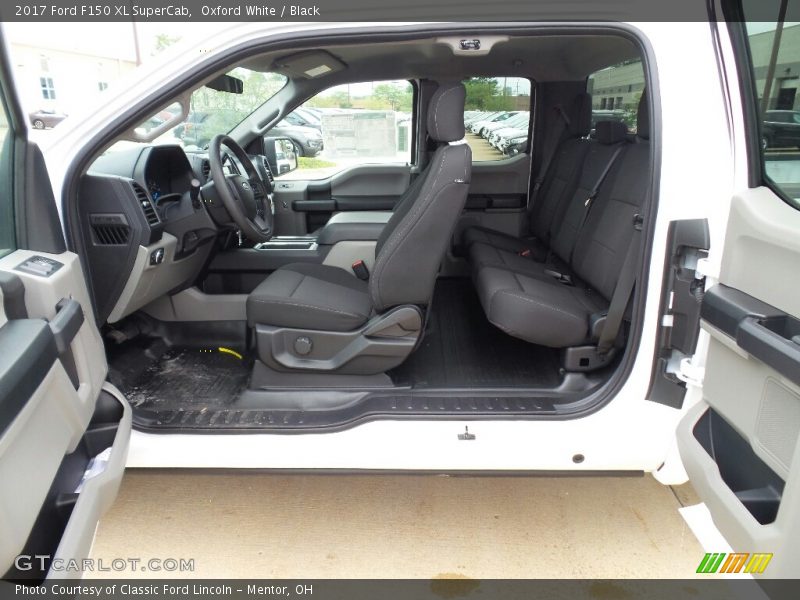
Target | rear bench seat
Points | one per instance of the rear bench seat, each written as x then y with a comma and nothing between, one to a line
561,302
559,184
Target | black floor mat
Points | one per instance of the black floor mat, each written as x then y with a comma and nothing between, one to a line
179,377
462,349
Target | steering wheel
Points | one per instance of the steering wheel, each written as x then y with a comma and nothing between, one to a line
244,195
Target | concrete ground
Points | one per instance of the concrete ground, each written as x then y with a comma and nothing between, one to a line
482,150
240,524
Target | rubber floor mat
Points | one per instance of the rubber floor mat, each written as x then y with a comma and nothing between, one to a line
183,378
462,349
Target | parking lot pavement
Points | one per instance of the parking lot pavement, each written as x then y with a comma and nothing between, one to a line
481,149
240,524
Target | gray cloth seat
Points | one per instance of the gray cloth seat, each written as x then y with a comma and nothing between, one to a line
538,310
408,252
543,310
316,296
558,184
570,212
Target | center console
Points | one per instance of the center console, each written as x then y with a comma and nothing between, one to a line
342,227
347,237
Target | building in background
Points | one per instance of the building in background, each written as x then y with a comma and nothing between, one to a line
61,80
618,87
785,78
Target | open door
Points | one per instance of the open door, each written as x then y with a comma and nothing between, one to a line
63,431
739,444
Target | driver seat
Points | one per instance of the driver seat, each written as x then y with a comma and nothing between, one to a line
322,318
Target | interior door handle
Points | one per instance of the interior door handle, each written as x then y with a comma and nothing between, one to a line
766,339
66,323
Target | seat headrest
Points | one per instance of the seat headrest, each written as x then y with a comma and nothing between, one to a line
610,132
643,118
581,114
446,113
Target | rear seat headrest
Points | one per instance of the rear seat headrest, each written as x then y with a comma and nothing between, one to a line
643,118
581,123
446,112
610,132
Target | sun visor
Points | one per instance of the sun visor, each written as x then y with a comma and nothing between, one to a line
308,65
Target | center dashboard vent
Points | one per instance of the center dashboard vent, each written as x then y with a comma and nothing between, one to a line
147,206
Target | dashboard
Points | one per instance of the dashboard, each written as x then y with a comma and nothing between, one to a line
146,225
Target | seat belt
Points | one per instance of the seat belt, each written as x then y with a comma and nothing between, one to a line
587,205
622,292
563,123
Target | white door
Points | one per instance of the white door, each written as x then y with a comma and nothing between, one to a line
59,421
740,443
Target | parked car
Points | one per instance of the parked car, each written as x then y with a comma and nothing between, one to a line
780,129
302,117
478,126
307,140
494,132
514,146
478,116
46,118
518,120
501,138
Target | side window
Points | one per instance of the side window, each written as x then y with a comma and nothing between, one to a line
497,117
616,91
775,66
350,125
7,237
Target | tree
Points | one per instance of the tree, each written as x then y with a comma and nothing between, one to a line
392,96
482,93
164,41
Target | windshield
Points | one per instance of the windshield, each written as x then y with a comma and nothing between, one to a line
212,111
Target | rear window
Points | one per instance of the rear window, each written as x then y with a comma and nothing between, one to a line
497,117
775,70
616,91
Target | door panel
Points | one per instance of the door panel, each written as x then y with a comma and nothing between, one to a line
304,206
739,444
498,195
52,370
57,416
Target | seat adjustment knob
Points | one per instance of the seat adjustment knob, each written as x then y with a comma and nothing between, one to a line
303,345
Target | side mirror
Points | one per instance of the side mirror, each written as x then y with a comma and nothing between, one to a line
280,154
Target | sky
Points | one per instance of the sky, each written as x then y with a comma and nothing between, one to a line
90,38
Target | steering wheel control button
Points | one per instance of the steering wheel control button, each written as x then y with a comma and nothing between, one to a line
157,256
303,345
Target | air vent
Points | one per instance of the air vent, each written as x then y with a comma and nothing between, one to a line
147,207
205,167
110,230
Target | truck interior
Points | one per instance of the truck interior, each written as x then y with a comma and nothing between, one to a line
234,295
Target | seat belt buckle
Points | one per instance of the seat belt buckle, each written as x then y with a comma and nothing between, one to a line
526,252
638,222
561,277
360,270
